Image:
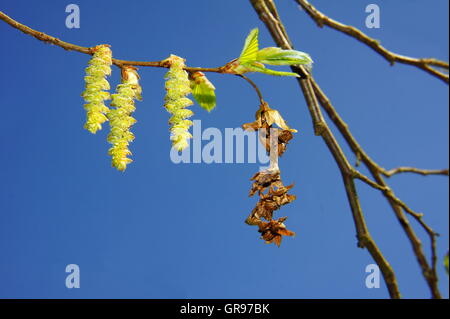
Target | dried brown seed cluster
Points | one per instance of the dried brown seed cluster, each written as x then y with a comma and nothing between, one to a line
270,201
268,184
265,118
283,137
274,230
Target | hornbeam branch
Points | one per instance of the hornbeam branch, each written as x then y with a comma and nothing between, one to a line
419,171
119,63
425,64
266,11
87,50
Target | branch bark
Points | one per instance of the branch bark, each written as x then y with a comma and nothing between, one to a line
41,36
267,12
423,172
425,64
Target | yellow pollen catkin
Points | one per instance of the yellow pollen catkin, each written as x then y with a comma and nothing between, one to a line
96,87
176,103
120,118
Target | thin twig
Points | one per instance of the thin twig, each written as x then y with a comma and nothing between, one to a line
396,204
424,172
119,63
258,91
73,47
429,273
266,11
424,63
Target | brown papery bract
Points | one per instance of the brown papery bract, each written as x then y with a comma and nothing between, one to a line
268,184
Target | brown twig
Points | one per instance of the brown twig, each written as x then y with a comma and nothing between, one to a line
119,63
258,91
73,47
266,11
397,205
425,64
415,170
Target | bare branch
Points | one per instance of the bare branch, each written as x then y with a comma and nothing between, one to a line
120,63
424,172
266,11
429,273
424,63
396,204
73,47
258,91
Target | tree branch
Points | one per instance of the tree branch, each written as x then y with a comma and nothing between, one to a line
397,205
258,91
424,63
119,63
73,47
415,170
266,11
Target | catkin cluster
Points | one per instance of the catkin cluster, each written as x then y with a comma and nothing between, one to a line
95,92
176,102
120,118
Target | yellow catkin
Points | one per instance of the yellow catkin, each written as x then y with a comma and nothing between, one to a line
96,87
120,118
176,102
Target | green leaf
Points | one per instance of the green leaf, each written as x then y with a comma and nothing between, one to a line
204,93
278,56
250,50
252,59
261,68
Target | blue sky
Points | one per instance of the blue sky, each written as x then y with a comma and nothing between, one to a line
162,230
